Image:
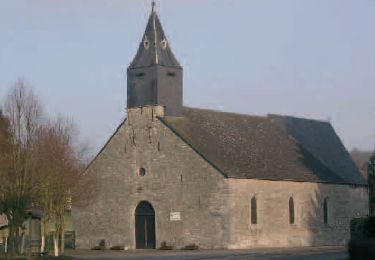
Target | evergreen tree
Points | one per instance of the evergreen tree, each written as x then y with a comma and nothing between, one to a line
371,184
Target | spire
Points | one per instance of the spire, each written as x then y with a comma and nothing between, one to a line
154,48
155,77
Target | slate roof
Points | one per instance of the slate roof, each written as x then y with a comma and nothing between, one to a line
272,148
154,48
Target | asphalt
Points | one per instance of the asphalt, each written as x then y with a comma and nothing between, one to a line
308,253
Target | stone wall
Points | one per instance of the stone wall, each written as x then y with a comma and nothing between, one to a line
273,228
215,211
176,180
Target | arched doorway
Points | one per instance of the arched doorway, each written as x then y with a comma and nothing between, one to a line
144,226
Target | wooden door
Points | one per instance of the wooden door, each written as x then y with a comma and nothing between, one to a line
145,226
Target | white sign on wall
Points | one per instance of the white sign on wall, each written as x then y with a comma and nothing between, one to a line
175,216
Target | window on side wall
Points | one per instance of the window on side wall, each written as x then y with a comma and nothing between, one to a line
253,211
291,211
325,211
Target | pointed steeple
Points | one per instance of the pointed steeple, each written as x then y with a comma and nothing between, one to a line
155,77
154,48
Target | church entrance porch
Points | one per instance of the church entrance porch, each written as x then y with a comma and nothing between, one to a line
145,226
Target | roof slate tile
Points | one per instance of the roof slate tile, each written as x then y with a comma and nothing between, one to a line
273,147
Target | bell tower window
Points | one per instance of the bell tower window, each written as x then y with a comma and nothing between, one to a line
146,44
164,44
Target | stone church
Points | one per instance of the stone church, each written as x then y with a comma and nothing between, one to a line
184,175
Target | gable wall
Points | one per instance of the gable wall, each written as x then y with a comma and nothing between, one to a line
177,180
273,229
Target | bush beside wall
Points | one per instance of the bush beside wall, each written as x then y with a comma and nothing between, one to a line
362,238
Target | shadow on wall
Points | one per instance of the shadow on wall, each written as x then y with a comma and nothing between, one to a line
328,211
331,209
319,218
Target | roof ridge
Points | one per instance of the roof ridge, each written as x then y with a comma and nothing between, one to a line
224,112
270,115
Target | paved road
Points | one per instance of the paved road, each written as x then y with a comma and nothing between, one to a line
335,253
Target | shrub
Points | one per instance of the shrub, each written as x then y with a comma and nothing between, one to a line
117,248
369,228
362,228
101,245
164,246
190,247
361,249
362,238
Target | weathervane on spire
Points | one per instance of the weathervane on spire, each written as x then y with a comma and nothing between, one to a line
153,6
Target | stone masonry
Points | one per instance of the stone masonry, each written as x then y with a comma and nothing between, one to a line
176,180
215,210
273,229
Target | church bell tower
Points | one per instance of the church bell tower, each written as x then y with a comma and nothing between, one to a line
155,76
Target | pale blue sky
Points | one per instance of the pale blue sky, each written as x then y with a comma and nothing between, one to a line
308,58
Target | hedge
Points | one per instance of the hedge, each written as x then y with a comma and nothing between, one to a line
362,238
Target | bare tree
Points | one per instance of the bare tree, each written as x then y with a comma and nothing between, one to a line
4,162
40,167
4,153
60,168
23,112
